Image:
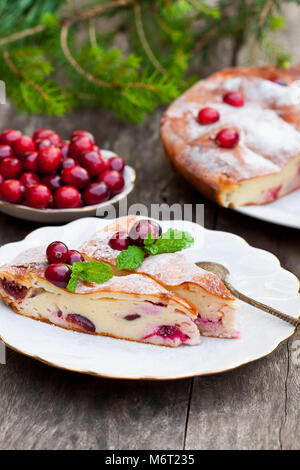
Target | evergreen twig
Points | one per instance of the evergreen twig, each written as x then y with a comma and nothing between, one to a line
165,37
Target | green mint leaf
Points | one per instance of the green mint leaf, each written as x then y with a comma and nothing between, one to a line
90,271
131,258
152,249
93,271
149,240
72,284
171,241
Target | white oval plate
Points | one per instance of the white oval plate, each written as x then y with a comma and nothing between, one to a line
57,216
255,272
284,211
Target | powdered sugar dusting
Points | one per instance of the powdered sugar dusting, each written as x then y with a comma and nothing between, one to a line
267,141
36,255
173,269
131,284
98,246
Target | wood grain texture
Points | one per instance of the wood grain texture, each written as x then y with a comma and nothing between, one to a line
254,407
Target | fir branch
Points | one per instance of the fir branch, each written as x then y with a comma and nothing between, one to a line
22,34
265,12
166,36
143,39
74,63
92,33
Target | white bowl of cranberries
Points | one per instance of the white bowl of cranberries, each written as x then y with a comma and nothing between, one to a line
48,180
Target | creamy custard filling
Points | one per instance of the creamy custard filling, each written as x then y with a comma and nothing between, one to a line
130,317
215,317
264,189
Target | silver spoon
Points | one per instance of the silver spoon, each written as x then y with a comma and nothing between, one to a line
223,273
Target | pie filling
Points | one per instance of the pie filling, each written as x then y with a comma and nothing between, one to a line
216,317
264,189
131,317
13,289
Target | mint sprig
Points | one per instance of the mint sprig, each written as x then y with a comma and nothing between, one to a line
169,242
131,258
90,271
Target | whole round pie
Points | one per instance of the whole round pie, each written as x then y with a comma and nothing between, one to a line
235,136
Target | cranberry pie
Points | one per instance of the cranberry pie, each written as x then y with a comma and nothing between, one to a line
236,135
214,303
132,307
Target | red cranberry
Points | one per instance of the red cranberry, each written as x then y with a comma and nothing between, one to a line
113,179
81,322
172,332
132,317
67,162
58,274
14,290
234,98
49,159
28,178
5,151
278,80
96,193
50,139
40,143
1,179
23,145
106,163
57,252
12,191
76,176
96,149
37,196
92,162
65,148
80,203
120,241
30,162
10,167
67,197
78,145
208,116
227,138
53,182
54,139
140,230
74,257
83,133
117,164
9,136
42,133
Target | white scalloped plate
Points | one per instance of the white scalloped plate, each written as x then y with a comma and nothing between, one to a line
284,211
255,272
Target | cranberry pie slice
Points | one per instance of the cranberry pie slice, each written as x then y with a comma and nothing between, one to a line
131,307
244,146
214,303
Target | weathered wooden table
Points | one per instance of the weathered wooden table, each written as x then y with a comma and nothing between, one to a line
253,407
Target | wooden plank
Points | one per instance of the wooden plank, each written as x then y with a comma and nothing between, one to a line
290,429
47,408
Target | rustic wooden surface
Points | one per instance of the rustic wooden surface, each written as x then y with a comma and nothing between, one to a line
253,407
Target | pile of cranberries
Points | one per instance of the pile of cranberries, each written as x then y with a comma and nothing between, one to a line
137,234
59,257
228,137
44,171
